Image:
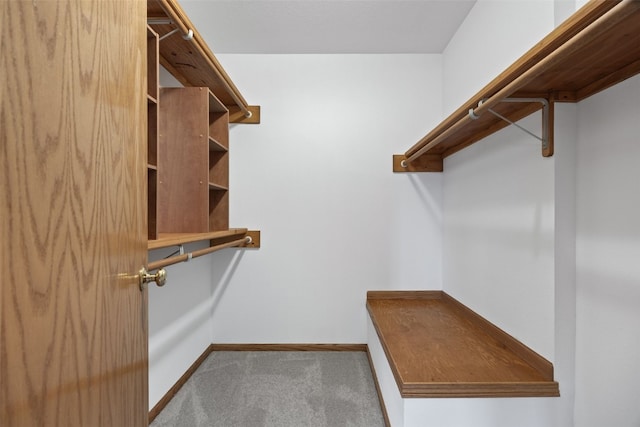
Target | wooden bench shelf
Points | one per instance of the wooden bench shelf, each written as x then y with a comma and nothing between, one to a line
597,47
437,347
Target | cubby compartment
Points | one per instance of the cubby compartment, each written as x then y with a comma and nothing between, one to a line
152,207
218,210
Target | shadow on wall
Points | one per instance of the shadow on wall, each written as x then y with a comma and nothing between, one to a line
168,338
221,277
187,286
189,301
431,206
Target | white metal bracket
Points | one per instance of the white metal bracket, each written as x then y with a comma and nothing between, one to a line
167,21
546,138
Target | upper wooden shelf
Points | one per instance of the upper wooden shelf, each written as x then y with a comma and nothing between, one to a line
191,61
597,47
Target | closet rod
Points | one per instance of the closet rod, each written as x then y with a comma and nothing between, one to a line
599,26
186,257
178,16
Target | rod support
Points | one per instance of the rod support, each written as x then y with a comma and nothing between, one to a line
546,136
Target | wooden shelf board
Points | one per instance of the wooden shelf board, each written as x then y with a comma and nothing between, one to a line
606,57
190,61
215,106
437,347
174,239
216,187
215,145
151,99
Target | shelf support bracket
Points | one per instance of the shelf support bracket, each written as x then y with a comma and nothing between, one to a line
547,121
167,21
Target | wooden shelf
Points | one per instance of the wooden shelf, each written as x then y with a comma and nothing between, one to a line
597,47
188,151
192,63
215,106
437,347
217,187
214,145
175,239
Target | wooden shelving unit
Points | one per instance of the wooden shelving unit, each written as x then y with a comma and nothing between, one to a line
596,48
192,63
188,151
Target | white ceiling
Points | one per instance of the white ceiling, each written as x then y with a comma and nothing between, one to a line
327,26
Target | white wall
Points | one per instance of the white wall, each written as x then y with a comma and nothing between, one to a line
494,34
497,230
500,213
588,277
607,252
498,234
477,412
564,159
498,204
179,319
315,176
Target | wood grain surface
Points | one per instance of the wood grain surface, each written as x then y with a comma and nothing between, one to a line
436,347
183,160
594,49
73,323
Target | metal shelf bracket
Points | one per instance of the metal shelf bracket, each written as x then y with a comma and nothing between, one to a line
547,120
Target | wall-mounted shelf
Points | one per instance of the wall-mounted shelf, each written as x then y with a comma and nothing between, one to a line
188,58
188,137
597,47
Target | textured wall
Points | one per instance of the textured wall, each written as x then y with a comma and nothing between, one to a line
607,253
315,176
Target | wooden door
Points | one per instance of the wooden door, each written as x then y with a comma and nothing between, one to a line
73,322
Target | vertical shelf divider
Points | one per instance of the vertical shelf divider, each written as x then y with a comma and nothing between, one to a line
218,165
153,47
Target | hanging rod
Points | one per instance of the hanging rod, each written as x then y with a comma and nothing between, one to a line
190,255
176,16
580,40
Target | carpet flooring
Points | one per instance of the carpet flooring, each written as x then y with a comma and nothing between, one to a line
279,389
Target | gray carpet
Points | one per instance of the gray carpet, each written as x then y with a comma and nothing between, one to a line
277,388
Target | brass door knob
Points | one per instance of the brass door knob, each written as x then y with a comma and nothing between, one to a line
144,277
